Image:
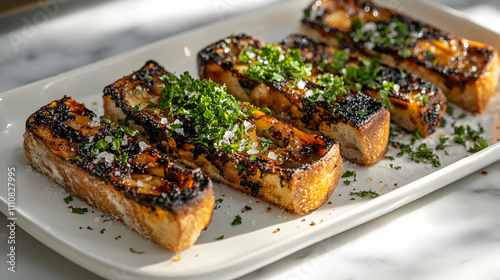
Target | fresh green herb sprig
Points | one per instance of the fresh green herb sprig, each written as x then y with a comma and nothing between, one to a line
364,194
208,106
395,33
463,134
272,64
348,174
358,76
421,153
331,87
78,210
113,141
480,144
68,199
441,145
466,133
236,221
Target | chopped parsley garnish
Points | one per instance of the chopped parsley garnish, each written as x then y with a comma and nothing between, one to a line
216,116
405,53
384,92
78,210
358,76
220,237
89,228
394,33
422,97
102,230
422,153
441,144
364,194
68,199
265,144
362,113
480,144
331,87
236,221
349,173
240,167
391,158
113,142
466,133
449,109
101,144
394,167
347,182
273,65
415,135
124,122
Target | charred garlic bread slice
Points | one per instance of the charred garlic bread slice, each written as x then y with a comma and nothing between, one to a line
414,103
319,103
465,70
198,123
106,166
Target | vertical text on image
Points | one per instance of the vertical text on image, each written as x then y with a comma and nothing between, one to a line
11,218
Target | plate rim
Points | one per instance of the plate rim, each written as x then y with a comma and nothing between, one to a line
482,159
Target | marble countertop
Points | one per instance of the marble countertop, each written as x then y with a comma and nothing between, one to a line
452,233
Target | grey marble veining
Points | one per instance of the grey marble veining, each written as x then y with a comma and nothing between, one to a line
450,234
453,233
66,34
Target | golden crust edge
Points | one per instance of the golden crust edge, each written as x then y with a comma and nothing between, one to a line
296,197
473,96
176,233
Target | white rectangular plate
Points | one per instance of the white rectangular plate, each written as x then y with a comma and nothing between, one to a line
42,212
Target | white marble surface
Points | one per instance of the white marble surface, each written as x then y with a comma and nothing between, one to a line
453,233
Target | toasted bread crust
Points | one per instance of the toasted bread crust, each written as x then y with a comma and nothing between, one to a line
298,189
363,139
466,71
173,226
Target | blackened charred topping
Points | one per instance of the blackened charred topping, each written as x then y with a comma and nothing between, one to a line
113,154
328,109
432,118
53,116
348,111
248,167
253,187
220,51
299,41
409,87
149,70
457,66
351,106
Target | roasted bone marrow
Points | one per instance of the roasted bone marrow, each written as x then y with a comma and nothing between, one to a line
106,166
200,125
414,103
268,76
465,70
